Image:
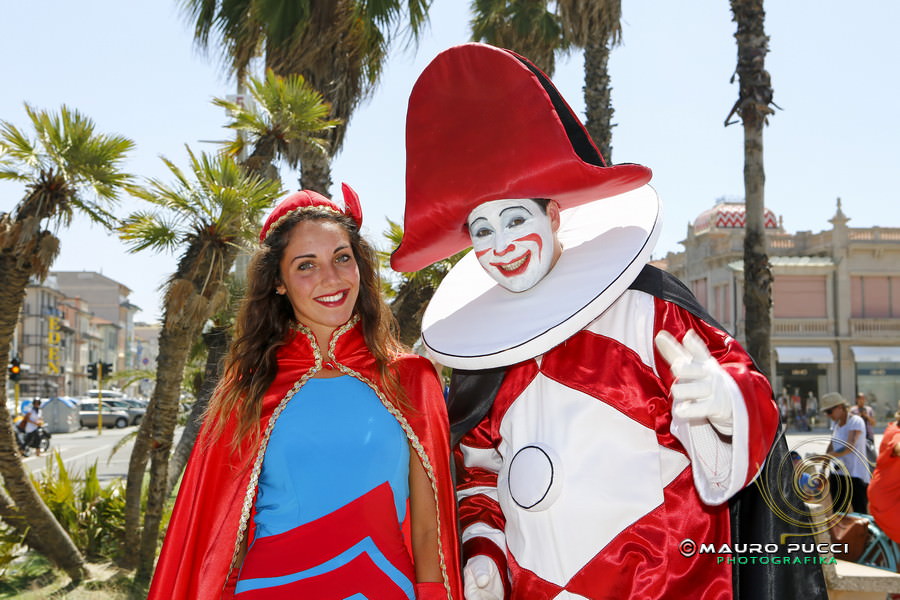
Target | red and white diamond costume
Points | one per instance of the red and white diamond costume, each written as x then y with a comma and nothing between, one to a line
546,481
573,475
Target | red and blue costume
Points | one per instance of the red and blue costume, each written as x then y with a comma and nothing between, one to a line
214,515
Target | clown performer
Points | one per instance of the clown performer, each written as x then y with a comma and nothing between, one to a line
605,421
323,467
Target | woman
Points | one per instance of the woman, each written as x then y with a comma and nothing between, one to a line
322,470
884,490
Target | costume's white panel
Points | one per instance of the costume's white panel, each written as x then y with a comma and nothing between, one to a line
484,530
589,485
671,464
564,595
474,323
630,322
484,458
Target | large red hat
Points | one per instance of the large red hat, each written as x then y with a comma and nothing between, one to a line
483,124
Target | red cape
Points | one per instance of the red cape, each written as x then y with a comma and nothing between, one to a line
213,511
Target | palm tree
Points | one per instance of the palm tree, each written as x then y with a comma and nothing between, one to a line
595,25
208,218
753,106
215,341
338,46
286,114
411,293
526,27
67,168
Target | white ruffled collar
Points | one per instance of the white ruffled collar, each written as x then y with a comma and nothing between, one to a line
474,323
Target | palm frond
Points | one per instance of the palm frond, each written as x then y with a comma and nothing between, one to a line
214,203
587,21
142,230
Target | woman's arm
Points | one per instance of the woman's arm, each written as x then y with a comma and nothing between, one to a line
423,521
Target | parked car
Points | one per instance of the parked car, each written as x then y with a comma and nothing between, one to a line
134,410
89,414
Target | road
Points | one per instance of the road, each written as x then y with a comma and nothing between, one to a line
816,441
82,448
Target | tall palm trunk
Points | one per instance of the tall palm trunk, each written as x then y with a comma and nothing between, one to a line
598,95
315,171
54,541
753,106
13,517
154,438
177,340
216,341
408,307
191,298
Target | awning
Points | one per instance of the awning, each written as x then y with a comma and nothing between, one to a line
816,355
876,354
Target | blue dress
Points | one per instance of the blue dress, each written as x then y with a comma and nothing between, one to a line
332,500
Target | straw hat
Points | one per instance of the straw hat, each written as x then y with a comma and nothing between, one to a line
830,400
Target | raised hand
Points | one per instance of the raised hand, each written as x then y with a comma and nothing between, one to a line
700,390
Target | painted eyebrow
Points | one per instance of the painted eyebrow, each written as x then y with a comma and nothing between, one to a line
515,208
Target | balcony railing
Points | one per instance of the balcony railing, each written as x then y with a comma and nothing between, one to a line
875,327
802,327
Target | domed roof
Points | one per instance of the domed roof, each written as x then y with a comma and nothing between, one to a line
729,215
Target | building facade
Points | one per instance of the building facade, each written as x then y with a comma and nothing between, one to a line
108,300
835,301
59,334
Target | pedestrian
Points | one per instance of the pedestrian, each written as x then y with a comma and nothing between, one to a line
812,408
323,468
783,402
584,450
884,489
868,416
848,446
34,419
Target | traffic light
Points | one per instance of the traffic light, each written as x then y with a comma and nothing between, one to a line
92,370
15,369
105,369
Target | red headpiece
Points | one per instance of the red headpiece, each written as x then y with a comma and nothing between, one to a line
307,198
483,124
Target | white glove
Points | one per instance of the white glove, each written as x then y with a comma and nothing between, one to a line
700,390
482,579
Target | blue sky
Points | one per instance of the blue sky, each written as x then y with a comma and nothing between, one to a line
133,68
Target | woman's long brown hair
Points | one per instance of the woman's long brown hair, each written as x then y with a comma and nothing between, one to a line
265,318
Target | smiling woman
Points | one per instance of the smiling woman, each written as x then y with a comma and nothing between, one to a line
322,470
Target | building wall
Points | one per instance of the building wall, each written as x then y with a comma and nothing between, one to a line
59,334
109,301
836,301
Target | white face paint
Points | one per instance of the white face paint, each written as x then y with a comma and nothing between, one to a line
514,242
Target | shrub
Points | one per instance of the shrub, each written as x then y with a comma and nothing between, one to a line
92,514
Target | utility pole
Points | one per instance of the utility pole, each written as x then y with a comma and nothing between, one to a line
99,398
